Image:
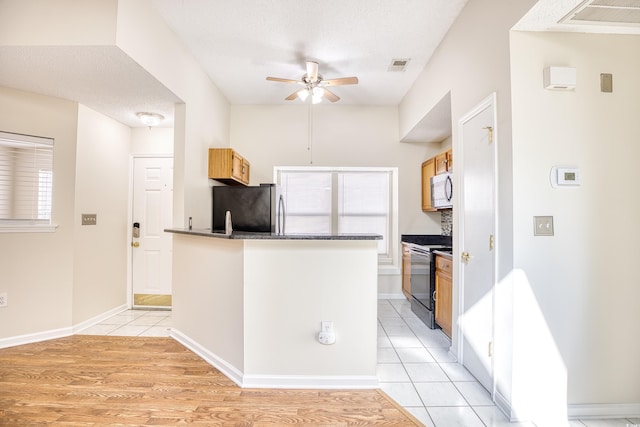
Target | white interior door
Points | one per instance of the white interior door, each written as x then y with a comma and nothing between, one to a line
477,232
152,247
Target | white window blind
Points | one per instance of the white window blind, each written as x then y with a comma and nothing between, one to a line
340,200
26,179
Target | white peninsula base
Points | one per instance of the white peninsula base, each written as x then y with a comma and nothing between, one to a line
252,308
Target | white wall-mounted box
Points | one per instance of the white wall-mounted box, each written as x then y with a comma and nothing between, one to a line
559,78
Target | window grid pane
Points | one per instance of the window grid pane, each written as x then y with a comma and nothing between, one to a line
26,178
362,202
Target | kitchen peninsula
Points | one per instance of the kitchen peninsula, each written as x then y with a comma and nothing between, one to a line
251,304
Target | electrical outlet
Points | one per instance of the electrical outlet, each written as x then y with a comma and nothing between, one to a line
326,327
543,226
3,299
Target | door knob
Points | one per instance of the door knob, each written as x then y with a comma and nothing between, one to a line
135,244
466,257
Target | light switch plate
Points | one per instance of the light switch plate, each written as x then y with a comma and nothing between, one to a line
89,219
543,226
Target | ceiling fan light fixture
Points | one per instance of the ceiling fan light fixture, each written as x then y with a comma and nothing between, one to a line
303,94
150,119
317,94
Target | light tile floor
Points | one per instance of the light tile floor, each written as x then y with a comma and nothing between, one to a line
143,323
414,368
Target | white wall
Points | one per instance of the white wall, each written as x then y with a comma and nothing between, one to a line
472,62
201,122
583,279
59,23
152,140
342,135
36,269
60,285
102,182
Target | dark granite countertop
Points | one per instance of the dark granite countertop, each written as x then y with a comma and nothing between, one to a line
243,235
426,239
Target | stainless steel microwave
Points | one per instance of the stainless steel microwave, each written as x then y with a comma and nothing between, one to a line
442,191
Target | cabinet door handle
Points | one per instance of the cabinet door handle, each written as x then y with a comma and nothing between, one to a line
434,295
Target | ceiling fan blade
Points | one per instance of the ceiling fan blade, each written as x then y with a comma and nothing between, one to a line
312,71
293,96
278,79
341,81
330,95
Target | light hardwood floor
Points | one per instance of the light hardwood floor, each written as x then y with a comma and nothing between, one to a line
85,380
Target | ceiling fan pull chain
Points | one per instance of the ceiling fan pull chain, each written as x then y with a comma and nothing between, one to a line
310,133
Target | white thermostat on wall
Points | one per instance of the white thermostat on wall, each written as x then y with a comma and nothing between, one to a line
565,177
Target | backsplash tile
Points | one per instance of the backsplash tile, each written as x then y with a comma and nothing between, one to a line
446,221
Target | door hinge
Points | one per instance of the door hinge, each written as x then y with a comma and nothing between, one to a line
490,130
490,349
492,242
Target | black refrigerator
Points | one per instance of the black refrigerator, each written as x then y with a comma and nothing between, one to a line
258,209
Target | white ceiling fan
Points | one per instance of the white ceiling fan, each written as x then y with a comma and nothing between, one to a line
314,85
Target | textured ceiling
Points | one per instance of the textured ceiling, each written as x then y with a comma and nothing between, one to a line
240,42
100,77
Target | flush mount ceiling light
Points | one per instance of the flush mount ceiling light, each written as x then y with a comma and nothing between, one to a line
150,119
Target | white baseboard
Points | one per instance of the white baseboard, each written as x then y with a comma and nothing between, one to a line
59,333
612,410
275,381
584,412
503,404
212,359
310,382
99,318
392,296
35,337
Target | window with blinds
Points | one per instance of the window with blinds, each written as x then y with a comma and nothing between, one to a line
26,179
340,200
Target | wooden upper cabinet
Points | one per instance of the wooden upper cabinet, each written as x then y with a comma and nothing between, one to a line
226,165
428,170
444,162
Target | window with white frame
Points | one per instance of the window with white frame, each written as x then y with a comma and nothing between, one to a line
26,179
324,200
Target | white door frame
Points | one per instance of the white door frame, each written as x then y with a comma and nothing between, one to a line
132,159
489,101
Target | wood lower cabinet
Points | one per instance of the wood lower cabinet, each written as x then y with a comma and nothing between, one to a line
428,170
444,294
406,271
226,165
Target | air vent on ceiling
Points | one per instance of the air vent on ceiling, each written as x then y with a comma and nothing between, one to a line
605,12
399,64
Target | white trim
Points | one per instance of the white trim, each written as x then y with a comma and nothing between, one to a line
275,381
311,381
398,295
489,102
132,158
35,337
33,228
604,410
98,319
503,404
61,332
230,371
